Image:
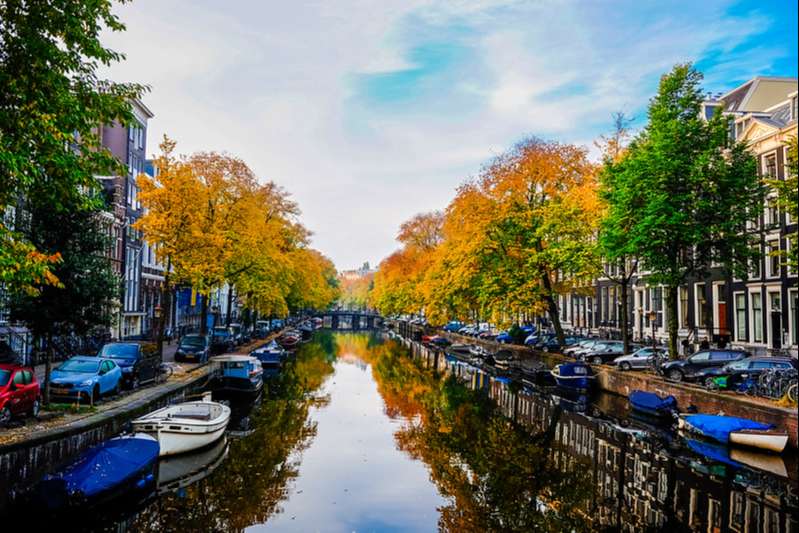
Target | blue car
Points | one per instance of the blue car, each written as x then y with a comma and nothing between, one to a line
85,378
453,327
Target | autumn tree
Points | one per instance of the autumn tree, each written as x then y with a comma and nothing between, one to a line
691,188
52,102
544,212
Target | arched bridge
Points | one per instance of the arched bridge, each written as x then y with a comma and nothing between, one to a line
350,320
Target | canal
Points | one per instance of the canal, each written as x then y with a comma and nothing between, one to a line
360,433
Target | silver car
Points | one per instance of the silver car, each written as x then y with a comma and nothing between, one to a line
641,358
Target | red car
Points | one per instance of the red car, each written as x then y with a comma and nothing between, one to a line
19,392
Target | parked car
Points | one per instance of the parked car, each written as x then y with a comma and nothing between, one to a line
551,343
137,364
238,337
86,378
603,352
19,392
641,358
193,347
752,367
222,340
453,326
688,369
581,347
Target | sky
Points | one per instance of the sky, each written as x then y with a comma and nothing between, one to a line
370,111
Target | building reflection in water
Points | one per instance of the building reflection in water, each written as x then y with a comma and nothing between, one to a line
643,477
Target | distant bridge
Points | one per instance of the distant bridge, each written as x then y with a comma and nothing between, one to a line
350,320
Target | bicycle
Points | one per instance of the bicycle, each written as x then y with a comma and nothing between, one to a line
165,371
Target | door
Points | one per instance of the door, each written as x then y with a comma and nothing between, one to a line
31,388
18,402
775,330
105,377
721,309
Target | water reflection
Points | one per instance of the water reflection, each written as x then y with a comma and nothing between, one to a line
362,434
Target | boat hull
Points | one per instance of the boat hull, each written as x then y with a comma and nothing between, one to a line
762,440
574,382
174,442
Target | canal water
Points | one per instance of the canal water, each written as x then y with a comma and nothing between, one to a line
362,433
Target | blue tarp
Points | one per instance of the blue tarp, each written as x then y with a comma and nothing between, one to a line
719,427
107,465
651,402
713,452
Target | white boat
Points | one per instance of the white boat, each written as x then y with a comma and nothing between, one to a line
185,426
734,430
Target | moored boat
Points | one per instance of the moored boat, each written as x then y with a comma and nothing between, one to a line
734,430
237,374
185,426
576,375
652,404
111,469
271,355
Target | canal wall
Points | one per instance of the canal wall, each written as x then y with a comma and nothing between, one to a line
26,458
615,381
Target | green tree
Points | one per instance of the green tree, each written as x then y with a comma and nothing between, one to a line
788,198
692,189
51,104
615,248
88,285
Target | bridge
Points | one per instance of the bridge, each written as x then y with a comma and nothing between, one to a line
343,320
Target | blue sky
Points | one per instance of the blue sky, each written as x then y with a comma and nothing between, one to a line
369,112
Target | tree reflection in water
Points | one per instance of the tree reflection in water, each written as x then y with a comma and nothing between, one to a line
249,486
498,476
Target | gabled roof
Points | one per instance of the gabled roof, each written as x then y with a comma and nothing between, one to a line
738,99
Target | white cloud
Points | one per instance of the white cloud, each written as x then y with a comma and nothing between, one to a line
273,83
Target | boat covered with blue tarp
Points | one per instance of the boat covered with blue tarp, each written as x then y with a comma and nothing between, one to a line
111,468
574,376
652,404
735,430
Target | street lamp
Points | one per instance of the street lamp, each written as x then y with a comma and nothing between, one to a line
652,317
159,331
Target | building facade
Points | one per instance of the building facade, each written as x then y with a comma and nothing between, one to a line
761,313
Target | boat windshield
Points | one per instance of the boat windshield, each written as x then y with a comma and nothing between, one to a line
82,366
4,377
120,351
579,370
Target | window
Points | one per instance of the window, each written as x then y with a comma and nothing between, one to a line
740,317
19,378
683,307
757,317
772,214
27,376
794,110
793,299
701,306
770,166
700,357
773,259
754,266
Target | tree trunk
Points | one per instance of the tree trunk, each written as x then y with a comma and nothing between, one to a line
204,315
166,309
552,309
625,325
671,310
48,361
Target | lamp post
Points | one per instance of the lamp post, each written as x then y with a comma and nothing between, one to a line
652,317
159,331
